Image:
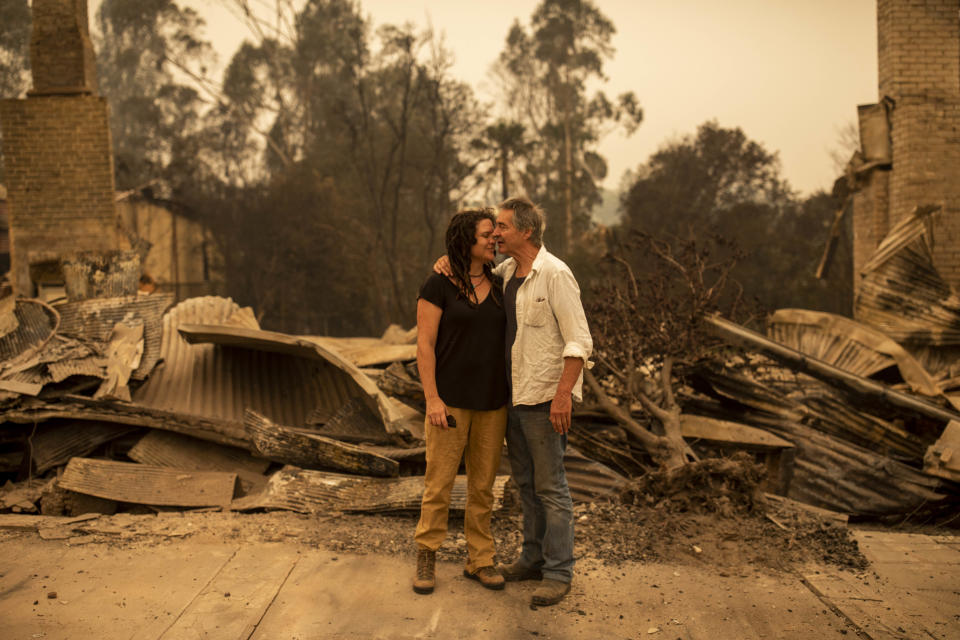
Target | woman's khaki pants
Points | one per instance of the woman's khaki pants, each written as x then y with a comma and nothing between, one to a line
478,438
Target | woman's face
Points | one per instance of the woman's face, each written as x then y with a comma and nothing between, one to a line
483,249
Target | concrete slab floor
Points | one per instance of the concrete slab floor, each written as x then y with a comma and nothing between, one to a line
911,590
266,591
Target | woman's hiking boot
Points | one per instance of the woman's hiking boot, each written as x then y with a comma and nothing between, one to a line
426,575
487,576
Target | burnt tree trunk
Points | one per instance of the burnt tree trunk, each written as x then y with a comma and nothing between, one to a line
669,450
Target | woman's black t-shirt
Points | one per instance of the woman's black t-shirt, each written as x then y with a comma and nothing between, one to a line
471,370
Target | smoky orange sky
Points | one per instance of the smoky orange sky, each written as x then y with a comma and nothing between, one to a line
789,73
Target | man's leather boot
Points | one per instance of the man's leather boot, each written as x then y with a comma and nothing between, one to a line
426,575
515,572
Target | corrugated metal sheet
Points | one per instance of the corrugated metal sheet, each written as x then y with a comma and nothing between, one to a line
57,360
37,322
902,294
94,319
167,449
806,400
848,345
55,442
283,377
588,479
871,392
94,367
829,472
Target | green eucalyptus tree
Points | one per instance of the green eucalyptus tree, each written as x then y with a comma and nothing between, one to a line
718,181
544,72
152,61
319,97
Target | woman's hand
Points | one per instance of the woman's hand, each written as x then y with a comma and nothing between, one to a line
442,266
437,413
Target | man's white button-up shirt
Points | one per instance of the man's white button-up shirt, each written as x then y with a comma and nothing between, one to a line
551,326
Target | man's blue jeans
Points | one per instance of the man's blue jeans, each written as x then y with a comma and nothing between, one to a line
536,460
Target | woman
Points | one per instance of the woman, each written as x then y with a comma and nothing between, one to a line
460,356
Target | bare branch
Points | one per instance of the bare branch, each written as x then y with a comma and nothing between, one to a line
649,440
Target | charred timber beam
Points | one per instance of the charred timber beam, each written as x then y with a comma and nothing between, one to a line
279,443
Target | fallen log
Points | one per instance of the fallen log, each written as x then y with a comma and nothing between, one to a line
288,446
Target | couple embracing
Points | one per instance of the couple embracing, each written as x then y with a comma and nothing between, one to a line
500,351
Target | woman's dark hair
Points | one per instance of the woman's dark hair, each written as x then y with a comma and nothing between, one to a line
461,236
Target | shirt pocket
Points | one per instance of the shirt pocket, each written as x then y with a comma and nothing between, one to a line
537,312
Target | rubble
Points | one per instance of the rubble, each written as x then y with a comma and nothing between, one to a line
112,402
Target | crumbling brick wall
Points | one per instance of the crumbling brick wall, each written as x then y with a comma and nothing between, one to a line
57,149
919,69
871,210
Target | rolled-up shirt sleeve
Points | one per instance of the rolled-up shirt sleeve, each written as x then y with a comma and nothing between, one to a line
564,294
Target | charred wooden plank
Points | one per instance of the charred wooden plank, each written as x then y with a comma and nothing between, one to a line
281,444
143,484
21,388
309,491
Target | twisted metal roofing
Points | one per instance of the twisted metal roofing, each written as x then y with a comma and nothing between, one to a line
232,366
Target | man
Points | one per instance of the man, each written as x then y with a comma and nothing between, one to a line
547,343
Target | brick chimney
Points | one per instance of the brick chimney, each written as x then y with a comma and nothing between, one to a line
58,153
919,82
61,54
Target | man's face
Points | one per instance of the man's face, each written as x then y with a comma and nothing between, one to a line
509,239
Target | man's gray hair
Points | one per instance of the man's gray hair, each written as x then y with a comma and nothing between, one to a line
527,217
